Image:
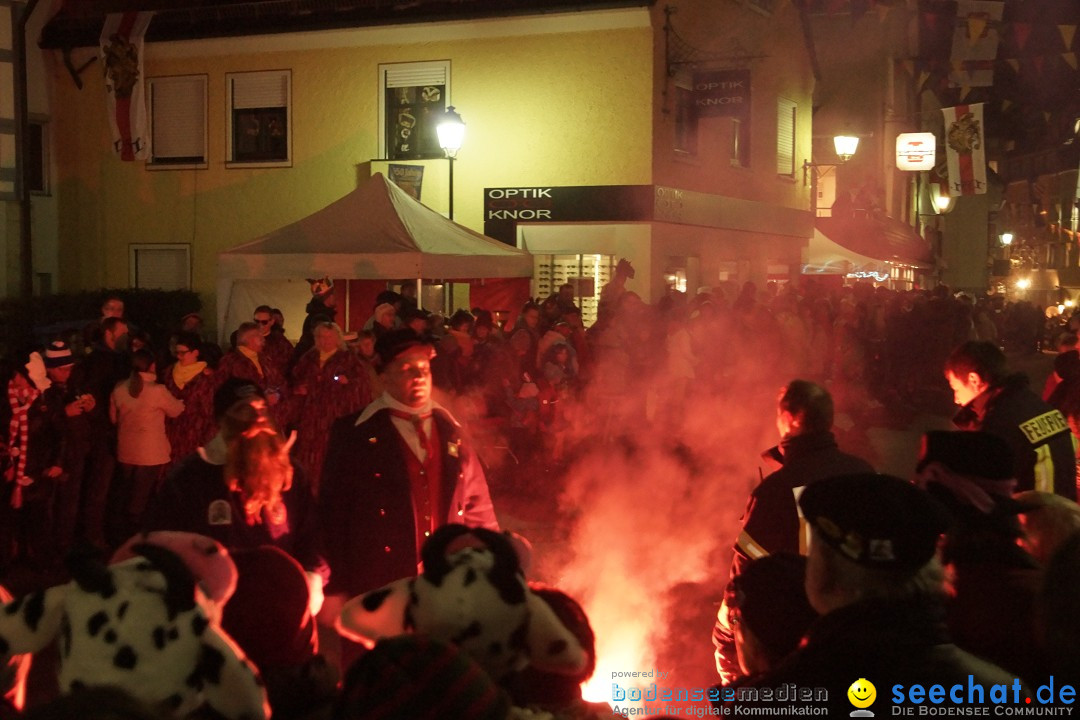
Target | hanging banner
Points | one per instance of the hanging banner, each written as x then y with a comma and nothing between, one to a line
722,93
916,151
975,42
122,58
965,148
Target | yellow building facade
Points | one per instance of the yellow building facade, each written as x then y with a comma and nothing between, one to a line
571,100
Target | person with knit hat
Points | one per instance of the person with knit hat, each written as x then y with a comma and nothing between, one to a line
419,678
279,636
993,581
874,577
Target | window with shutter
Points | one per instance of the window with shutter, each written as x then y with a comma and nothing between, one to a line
177,122
785,137
412,100
259,118
160,266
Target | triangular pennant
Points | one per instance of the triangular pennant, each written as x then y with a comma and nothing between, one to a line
882,11
1067,34
1006,104
1070,58
1014,64
923,77
976,26
1038,62
909,65
1046,117
965,90
1021,33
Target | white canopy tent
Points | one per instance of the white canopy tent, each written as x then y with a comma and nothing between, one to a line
823,256
376,232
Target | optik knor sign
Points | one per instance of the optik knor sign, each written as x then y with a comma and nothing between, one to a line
722,92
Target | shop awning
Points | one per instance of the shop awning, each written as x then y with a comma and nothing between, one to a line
879,237
825,257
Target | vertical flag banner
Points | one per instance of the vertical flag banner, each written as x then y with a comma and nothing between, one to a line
966,149
122,58
975,42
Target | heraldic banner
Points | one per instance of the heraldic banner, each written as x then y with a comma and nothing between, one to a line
122,57
965,147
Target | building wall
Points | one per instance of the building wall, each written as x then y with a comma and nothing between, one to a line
555,100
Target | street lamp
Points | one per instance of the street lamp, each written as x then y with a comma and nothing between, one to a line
451,130
845,146
1006,238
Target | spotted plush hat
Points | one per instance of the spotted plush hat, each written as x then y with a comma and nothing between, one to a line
877,521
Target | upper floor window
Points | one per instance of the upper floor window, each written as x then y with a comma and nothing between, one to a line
686,121
412,100
177,110
259,118
785,136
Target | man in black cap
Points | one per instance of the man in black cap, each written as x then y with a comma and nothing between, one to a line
395,472
874,577
772,522
999,402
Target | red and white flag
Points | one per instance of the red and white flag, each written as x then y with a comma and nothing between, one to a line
965,145
122,57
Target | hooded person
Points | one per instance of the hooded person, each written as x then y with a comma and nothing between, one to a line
242,489
994,582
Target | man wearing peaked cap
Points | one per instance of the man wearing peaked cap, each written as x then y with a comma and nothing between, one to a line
394,472
873,575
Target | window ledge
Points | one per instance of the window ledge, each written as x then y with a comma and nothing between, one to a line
177,166
257,165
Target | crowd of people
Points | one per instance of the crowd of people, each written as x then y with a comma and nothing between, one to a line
323,470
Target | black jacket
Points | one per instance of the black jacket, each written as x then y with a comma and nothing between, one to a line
771,522
365,500
889,644
1038,435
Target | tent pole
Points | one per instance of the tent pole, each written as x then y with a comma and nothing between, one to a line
419,294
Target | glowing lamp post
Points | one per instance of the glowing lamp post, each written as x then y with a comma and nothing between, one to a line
451,130
845,146
1006,239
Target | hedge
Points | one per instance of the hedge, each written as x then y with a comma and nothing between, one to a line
26,323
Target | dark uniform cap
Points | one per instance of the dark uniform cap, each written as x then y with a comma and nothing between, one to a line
973,453
396,341
877,521
233,391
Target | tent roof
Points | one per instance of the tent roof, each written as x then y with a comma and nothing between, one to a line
375,232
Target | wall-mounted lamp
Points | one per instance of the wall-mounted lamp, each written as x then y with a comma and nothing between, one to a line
1006,238
939,196
845,146
1023,283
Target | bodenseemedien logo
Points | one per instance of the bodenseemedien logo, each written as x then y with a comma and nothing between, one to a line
862,694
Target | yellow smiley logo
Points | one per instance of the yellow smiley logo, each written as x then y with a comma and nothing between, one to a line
862,693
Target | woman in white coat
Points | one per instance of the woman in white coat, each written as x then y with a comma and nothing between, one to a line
138,407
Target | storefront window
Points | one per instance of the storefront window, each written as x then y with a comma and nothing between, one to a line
587,273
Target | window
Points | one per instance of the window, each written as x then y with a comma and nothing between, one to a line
686,121
37,158
740,142
160,266
785,137
177,121
259,118
412,100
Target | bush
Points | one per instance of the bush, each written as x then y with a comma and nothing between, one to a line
34,322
